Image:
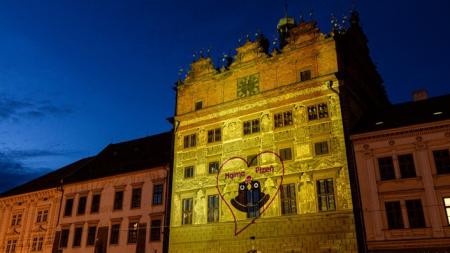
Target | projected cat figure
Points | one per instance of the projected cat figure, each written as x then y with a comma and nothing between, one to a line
250,198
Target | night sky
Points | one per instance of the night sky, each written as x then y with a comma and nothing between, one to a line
78,75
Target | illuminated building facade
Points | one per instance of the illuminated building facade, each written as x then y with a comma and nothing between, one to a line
403,165
112,202
260,156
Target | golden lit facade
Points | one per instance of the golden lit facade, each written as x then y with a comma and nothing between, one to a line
285,103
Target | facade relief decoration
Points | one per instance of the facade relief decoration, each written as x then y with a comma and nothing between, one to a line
307,194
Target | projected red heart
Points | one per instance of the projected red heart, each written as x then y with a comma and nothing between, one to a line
246,177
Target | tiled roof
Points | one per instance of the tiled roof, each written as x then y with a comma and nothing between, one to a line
119,158
406,114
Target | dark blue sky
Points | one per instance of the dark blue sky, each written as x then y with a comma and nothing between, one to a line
78,75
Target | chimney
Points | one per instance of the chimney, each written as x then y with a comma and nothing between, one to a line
419,95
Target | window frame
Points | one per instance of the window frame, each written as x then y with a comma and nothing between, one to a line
114,237
189,140
415,212
397,222
447,208
118,203
213,214
190,174
383,170
313,111
445,161
319,144
89,240
251,126
214,135
77,236
95,205
81,209
187,214
68,211
283,119
330,198
158,196
288,203
213,169
309,71
282,153
64,239
155,230
133,228
410,170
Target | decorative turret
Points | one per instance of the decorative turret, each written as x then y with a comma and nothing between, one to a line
284,26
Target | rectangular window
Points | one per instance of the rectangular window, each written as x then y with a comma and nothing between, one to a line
198,105
11,246
251,126
132,232
155,230
16,219
318,111
394,214
286,154
77,237
136,198
118,200
187,211
42,216
447,208
213,167
95,205
115,232
321,148
214,135
386,168
158,190
81,205
305,75
406,164
283,119
92,230
325,195
37,243
415,213
288,199
252,160
213,208
68,207
190,140
63,242
189,172
442,161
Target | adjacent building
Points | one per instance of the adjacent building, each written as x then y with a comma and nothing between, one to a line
112,202
403,166
261,144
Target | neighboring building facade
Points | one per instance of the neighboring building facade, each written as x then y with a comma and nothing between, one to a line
117,202
112,202
260,157
403,166
29,213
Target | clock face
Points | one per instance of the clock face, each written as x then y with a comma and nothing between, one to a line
248,85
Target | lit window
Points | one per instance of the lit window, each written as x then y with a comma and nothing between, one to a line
286,154
318,111
321,148
283,119
189,172
213,167
213,208
251,126
305,75
132,232
325,195
288,200
187,211
442,161
394,214
214,135
386,168
190,140
447,208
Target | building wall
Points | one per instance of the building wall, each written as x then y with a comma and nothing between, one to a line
145,179
427,186
28,205
280,90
